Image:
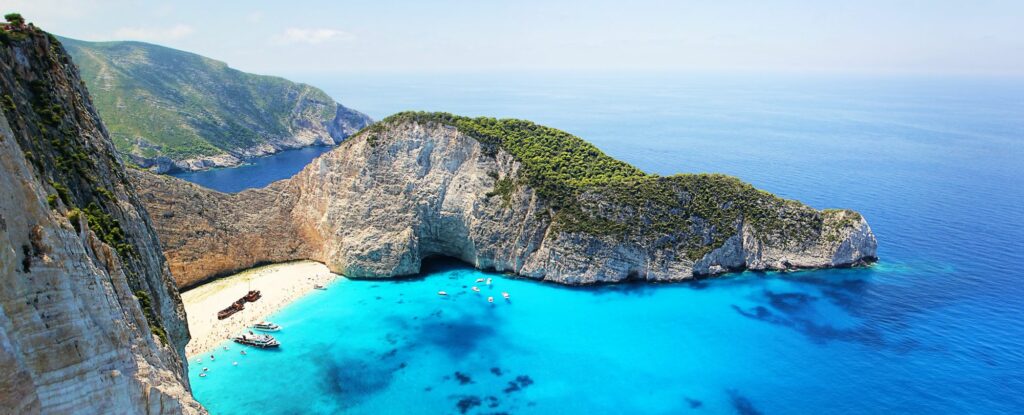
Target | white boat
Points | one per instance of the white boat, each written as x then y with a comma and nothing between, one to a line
475,289
319,287
490,299
266,326
479,280
263,341
488,281
442,293
504,294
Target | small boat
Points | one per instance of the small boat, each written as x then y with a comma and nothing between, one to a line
243,352
263,341
234,363
475,289
479,280
504,294
202,375
266,326
319,287
488,281
205,369
490,299
442,293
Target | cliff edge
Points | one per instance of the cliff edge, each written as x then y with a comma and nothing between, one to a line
90,318
507,195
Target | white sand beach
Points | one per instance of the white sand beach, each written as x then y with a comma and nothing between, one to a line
280,284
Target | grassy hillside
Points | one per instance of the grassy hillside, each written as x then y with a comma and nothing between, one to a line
160,101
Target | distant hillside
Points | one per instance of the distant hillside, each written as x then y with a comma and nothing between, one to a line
167,109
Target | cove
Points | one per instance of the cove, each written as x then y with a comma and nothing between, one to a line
257,172
934,327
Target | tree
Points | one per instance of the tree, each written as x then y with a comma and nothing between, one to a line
15,19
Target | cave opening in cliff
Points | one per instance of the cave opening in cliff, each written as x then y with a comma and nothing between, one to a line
440,263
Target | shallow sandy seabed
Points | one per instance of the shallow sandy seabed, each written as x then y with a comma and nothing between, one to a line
280,284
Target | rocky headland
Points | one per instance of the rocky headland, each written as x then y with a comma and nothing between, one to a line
90,318
507,195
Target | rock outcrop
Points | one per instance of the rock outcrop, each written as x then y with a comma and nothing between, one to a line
90,318
506,195
172,110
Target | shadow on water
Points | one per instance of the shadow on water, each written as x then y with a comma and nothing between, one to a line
742,404
350,380
881,321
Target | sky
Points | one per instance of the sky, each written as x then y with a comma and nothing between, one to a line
936,37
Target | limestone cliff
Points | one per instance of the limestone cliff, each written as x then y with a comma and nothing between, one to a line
506,195
90,318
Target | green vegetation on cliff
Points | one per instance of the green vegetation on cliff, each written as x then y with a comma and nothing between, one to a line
50,116
157,101
593,193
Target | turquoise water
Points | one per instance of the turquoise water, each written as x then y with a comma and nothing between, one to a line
936,327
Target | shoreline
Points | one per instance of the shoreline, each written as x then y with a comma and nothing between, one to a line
279,284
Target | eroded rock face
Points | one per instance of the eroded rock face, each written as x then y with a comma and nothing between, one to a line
378,205
90,318
207,233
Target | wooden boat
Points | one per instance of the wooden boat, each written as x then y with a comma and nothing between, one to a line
252,296
231,310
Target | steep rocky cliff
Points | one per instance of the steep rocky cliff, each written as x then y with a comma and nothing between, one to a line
506,195
90,318
172,110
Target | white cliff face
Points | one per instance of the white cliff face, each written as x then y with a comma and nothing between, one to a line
377,206
423,191
75,336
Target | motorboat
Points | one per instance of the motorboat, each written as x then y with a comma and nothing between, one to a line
479,280
504,294
488,281
490,299
319,287
266,326
442,293
475,289
263,341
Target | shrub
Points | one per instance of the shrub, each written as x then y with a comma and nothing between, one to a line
14,19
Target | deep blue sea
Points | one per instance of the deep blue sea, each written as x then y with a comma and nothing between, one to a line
937,326
257,172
